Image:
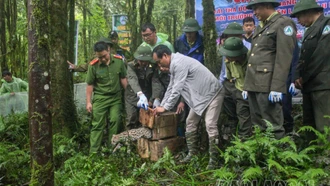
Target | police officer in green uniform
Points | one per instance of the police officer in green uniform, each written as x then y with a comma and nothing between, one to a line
313,70
144,88
269,63
116,49
236,63
105,79
84,67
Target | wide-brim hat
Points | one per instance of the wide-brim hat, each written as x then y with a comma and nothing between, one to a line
234,29
304,5
144,53
233,47
190,25
254,2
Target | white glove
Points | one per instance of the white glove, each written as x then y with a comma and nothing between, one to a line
245,95
275,97
143,101
156,103
292,90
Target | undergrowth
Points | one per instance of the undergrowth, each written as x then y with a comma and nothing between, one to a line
259,160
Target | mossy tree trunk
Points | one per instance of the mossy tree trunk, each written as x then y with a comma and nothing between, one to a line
132,23
64,111
190,9
40,117
3,46
210,36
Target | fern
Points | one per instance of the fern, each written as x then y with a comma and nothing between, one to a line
252,173
224,174
279,167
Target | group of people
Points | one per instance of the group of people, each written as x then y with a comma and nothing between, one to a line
258,75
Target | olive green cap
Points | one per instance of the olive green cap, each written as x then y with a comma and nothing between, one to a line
144,53
303,5
106,40
254,2
190,25
233,47
234,28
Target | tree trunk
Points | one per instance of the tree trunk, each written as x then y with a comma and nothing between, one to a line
3,46
210,36
83,31
40,118
64,111
134,28
190,9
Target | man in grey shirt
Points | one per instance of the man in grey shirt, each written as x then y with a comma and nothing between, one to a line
200,90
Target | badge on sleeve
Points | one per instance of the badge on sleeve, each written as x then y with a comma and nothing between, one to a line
288,30
326,30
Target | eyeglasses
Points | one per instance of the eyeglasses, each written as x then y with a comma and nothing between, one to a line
147,35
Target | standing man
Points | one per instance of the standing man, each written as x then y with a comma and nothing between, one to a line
201,91
313,70
269,63
248,26
144,88
105,79
153,39
191,42
116,49
236,55
229,106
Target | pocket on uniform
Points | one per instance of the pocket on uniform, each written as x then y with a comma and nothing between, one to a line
264,74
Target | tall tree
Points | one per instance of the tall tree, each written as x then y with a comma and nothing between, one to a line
210,36
40,118
3,46
134,28
64,111
190,9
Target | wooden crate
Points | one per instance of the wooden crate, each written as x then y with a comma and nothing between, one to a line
146,118
143,148
155,149
163,125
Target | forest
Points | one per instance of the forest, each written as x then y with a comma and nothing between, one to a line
48,145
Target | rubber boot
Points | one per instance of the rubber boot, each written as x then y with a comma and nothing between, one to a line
214,153
192,141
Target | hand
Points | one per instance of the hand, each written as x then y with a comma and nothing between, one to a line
275,97
298,83
158,110
71,66
245,95
180,108
292,90
89,107
143,101
156,103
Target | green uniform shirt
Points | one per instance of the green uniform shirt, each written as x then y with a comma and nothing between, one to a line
106,78
237,71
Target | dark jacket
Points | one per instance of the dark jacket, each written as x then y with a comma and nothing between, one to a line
196,51
314,61
144,80
271,55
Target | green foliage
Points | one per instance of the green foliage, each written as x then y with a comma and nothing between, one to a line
14,149
261,159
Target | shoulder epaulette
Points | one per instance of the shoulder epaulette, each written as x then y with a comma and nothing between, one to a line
117,56
94,61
